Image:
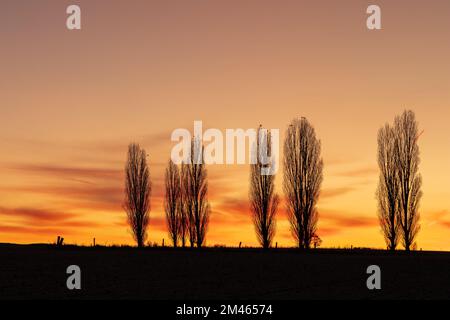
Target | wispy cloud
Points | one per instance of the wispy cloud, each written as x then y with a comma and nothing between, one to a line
74,173
343,220
43,222
89,192
234,205
446,223
335,192
33,214
15,229
367,171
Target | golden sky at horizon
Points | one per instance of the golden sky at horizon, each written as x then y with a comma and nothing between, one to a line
71,101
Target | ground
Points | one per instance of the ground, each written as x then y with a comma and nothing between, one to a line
39,271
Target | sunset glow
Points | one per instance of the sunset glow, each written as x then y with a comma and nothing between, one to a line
71,102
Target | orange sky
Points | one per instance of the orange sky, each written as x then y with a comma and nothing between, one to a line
71,101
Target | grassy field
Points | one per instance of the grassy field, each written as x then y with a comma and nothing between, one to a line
39,271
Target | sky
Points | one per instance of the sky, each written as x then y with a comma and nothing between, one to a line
71,102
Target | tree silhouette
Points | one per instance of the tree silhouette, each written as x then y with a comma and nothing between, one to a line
264,201
303,177
137,192
388,186
195,194
316,240
407,162
187,205
184,212
172,203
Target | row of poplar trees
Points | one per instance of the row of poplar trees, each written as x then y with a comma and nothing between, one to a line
399,187
302,178
398,193
186,207
186,201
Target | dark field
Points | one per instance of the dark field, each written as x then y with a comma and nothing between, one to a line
164,273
